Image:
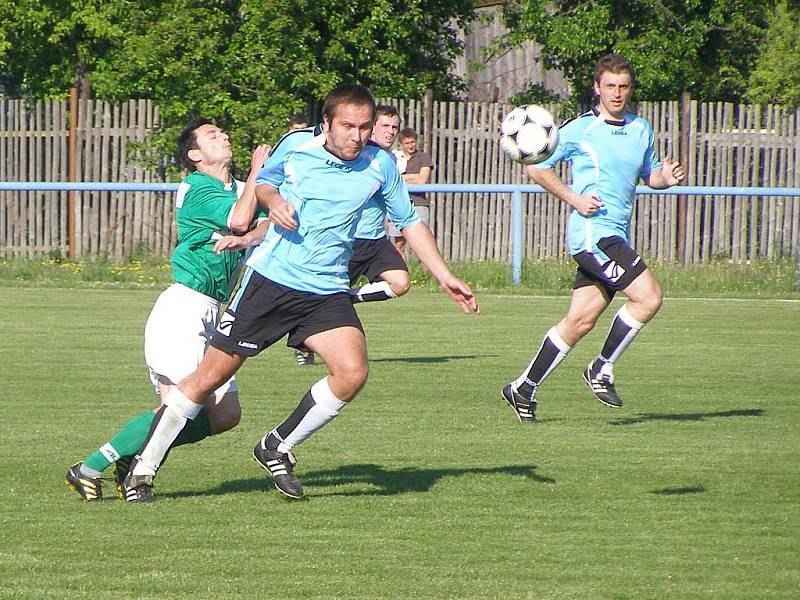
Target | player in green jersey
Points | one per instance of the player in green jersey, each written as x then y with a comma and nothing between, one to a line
214,214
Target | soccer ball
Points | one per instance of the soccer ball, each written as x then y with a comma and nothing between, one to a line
529,134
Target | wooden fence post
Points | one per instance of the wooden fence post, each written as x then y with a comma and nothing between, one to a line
683,201
72,170
427,134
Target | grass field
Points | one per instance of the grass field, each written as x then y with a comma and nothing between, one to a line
427,486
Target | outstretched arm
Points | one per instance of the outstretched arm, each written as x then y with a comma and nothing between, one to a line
587,205
240,242
421,241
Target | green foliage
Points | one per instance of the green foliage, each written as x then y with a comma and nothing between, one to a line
536,93
51,45
244,63
57,271
720,278
705,47
776,78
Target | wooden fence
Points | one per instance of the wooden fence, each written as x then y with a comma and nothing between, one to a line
724,145
34,147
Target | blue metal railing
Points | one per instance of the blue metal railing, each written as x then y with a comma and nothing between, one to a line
516,191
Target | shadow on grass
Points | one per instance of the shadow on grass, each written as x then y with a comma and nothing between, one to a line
679,491
382,482
643,418
430,359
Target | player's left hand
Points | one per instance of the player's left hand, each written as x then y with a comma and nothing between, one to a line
672,172
231,243
461,293
259,156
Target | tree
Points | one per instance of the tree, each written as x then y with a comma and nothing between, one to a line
705,47
54,45
776,78
245,63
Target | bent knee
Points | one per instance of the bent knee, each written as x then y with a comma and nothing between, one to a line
224,415
349,379
656,302
649,305
400,287
578,327
399,281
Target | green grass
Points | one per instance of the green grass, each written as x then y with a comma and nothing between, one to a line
427,486
719,278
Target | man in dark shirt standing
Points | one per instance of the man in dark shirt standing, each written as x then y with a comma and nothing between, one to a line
416,166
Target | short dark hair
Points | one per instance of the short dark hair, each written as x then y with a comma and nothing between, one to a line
386,110
298,119
612,63
347,94
408,133
187,140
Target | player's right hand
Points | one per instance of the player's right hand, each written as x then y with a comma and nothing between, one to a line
461,293
281,213
588,205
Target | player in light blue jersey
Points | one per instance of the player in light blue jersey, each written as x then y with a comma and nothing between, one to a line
374,255
610,150
296,282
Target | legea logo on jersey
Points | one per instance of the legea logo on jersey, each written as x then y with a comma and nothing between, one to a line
225,324
613,271
339,166
618,132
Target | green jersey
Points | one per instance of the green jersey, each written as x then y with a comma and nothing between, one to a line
203,207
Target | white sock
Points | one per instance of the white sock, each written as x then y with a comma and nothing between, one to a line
89,472
372,292
326,408
177,410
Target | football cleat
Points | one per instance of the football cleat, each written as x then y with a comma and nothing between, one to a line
121,468
89,488
280,466
525,409
139,488
602,386
304,358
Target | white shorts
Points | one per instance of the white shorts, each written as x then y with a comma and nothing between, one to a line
177,333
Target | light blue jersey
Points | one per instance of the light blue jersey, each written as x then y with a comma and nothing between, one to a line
328,195
371,225
609,159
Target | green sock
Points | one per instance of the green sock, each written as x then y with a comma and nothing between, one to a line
195,430
125,443
133,434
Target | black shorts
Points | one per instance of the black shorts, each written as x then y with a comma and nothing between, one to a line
373,257
263,311
616,273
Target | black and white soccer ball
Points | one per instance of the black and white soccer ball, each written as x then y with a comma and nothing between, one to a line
529,134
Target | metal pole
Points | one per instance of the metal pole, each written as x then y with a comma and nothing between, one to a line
516,247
